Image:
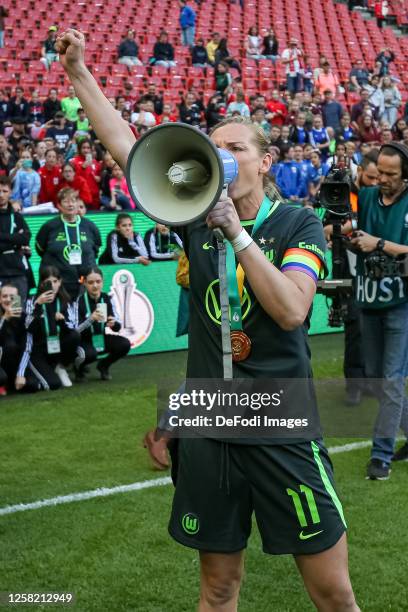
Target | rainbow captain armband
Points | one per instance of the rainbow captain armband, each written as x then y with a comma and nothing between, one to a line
300,260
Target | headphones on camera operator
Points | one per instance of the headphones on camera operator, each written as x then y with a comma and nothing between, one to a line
377,264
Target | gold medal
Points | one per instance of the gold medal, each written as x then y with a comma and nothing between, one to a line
240,345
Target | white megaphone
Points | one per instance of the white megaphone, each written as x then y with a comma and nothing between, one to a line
175,174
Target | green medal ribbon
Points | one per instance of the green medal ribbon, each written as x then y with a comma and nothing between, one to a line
233,292
53,342
67,236
12,223
98,340
46,323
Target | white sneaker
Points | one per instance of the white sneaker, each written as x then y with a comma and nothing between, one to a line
63,376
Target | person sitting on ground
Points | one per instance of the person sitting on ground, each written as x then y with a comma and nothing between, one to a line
94,312
223,55
51,346
68,242
162,243
128,51
27,183
124,245
49,53
12,335
253,44
199,56
163,51
51,178
87,167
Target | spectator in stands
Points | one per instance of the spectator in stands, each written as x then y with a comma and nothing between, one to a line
124,245
91,321
270,48
392,101
292,58
162,243
68,242
376,95
3,14
345,130
120,196
368,131
187,20
163,51
190,111
285,136
385,58
239,105
398,129
48,51
223,55
14,240
12,335
27,183
319,137
381,10
277,110
199,56
35,110
3,110
288,175
70,105
303,165
51,105
7,160
18,106
60,131
212,46
51,178
106,175
89,169
386,135
293,111
359,76
128,50
332,110
223,79
168,114
82,123
258,117
275,136
298,133
18,136
143,116
316,174
308,81
358,108
215,111
154,97
327,80
253,44
77,183
51,346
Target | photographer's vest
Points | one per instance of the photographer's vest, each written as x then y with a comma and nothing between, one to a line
390,223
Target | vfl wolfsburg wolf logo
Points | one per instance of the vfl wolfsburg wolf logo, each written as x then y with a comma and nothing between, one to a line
190,523
212,302
134,308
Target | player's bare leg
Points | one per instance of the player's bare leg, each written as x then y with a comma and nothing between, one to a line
220,581
326,577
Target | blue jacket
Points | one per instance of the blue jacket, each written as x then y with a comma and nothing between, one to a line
187,17
289,179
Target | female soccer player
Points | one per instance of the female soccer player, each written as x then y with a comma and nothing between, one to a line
219,485
93,312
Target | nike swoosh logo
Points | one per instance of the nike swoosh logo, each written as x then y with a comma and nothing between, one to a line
207,246
307,536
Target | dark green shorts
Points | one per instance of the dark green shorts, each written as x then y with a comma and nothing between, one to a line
289,487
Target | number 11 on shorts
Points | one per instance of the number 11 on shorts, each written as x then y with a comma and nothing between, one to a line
298,503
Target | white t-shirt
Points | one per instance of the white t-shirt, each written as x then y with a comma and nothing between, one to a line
293,67
149,119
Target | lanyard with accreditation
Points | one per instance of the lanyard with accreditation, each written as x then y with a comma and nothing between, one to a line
98,340
74,250
231,326
53,342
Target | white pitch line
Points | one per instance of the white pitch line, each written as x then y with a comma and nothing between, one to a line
136,486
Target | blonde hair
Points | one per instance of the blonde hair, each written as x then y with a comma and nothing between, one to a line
262,144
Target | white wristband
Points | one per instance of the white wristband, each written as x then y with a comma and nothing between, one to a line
241,242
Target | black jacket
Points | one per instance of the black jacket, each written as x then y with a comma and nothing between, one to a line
270,46
121,250
163,52
161,247
12,261
81,321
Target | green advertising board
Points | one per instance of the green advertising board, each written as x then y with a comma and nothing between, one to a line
147,297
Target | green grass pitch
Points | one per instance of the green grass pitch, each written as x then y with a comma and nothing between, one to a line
114,552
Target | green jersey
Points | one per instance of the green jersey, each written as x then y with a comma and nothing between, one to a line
69,107
390,223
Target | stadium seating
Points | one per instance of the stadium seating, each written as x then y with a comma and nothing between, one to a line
322,26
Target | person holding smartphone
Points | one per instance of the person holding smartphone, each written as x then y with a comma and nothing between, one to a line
92,314
51,345
12,335
89,169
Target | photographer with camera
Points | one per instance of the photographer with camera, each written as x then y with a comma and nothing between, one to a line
382,294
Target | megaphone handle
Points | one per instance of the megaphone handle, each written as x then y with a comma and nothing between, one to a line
224,304
219,234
